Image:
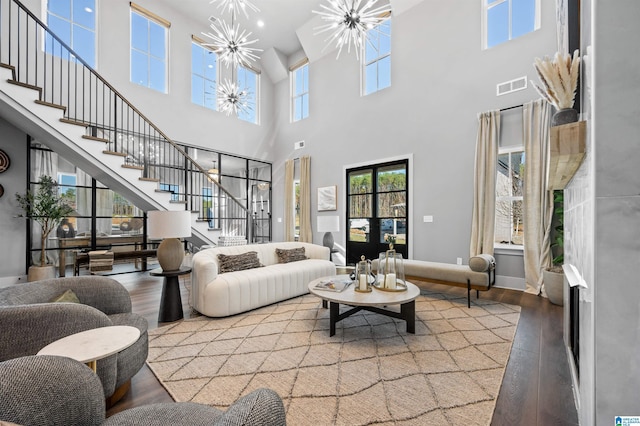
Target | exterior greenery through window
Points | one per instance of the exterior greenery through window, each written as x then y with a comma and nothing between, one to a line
509,192
377,58
505,20
248,80
148,52
300,92
204,72
74,21
377,206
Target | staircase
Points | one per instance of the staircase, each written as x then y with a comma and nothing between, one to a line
50,93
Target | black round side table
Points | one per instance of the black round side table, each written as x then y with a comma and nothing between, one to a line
171,301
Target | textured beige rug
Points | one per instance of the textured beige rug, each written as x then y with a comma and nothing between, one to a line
370,372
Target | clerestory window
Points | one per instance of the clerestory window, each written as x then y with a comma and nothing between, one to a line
505,20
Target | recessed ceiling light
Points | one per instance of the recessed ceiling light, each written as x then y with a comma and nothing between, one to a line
260,23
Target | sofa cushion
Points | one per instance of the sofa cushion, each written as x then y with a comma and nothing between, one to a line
238,262
67,297
291,255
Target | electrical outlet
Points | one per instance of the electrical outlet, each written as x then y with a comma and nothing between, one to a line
459,261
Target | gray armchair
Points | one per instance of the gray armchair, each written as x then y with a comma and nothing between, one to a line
29,323
51,390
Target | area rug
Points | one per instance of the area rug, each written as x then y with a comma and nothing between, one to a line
370,372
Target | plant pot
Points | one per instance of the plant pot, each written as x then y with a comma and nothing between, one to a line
554,286
564,116
37,273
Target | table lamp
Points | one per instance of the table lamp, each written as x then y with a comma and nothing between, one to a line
328,224
169,226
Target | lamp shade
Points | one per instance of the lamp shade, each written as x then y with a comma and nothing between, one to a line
169,224
328,223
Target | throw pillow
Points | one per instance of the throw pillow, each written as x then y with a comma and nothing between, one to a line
291,255
238,262
482,263
67,297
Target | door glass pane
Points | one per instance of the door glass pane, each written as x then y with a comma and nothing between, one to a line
392,178
360,182
395,227
360,206
359,230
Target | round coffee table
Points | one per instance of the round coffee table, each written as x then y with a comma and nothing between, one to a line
372,302
91,345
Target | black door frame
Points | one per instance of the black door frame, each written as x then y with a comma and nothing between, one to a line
373,247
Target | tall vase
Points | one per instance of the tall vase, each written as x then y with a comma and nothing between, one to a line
564,116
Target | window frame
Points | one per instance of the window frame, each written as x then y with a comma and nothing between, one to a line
253,100
490,4
92,62
200,43
166,25
511,198
293,73
364,62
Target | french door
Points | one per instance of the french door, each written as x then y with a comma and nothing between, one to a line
377,206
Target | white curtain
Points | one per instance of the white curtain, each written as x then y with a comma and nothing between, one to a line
104,206
289,168
45,163
306,234
484,194
537,200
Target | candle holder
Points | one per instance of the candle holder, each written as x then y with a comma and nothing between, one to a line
364,277
391,271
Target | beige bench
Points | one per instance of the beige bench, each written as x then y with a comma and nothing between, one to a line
479,275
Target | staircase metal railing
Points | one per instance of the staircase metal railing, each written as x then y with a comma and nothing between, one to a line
40,60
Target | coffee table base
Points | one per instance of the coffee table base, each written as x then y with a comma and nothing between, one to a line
407,313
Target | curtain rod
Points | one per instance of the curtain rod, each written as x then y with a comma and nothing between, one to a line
511,107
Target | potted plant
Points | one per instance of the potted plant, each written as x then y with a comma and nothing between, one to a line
554,276
48,209
559,78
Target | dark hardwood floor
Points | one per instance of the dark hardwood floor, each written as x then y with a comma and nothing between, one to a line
536,389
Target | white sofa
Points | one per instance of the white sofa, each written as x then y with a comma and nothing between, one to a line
229,293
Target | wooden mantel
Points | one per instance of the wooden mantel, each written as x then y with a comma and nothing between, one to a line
568,147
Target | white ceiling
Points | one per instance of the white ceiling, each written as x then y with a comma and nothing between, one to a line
281,19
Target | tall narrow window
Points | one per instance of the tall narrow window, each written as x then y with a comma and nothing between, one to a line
377,58
149,35
74,21
248,80
509,191
204,72
300,92
505,20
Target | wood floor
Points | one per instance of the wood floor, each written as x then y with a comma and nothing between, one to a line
536,389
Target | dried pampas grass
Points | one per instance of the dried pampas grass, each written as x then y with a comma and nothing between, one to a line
559,78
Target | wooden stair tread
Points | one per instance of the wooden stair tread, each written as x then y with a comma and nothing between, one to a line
131,166
178,202
148,179
163,190
49,104
74,122
119,154
96,138
28,86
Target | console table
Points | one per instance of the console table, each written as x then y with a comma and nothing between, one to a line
85,241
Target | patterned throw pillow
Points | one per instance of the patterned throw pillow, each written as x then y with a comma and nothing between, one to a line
238,262
67,297
292,255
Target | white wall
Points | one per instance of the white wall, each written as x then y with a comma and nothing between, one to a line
441,79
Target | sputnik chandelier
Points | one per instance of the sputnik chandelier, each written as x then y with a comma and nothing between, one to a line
234,49
349,21
232,99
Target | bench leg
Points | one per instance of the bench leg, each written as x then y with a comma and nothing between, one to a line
468,293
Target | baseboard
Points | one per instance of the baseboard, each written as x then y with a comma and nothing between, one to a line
9,281
511,283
